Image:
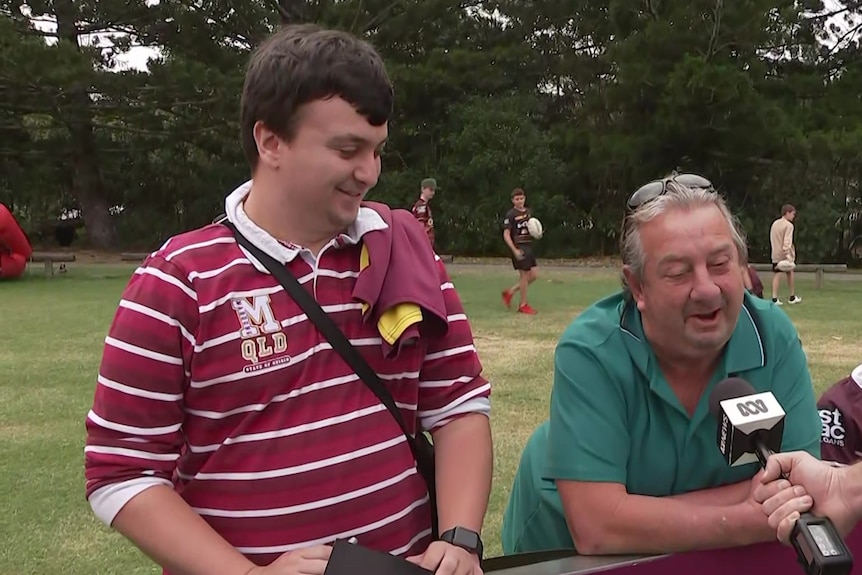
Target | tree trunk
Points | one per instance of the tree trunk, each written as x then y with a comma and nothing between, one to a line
87,186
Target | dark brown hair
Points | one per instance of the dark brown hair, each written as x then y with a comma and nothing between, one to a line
787,208
303,63
518,192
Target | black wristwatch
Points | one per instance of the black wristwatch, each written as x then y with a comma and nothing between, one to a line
465,539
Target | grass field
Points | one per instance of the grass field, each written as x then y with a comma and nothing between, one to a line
50,345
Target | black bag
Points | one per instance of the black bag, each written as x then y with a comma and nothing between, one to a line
354,559
421,446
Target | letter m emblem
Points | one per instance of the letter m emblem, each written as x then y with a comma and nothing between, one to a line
255,315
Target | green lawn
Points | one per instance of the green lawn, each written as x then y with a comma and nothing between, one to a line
50,344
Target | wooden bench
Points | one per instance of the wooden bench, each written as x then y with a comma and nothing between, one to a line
49,259
817,269
134,256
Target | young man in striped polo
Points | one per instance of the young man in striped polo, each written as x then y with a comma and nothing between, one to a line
226,435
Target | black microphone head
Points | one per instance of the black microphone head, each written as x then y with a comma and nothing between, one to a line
728,389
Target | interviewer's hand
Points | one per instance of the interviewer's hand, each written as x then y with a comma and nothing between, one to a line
446,559
308,561
813,485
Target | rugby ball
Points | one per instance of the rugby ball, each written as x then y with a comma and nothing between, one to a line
534,226
785,266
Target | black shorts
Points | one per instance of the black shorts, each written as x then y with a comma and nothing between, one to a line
528,262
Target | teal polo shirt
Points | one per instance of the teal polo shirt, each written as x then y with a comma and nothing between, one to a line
614,418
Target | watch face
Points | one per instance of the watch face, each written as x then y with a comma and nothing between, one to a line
466,538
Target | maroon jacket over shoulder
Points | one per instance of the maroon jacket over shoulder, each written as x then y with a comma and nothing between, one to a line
402,269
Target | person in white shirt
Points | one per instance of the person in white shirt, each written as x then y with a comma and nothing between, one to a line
783,253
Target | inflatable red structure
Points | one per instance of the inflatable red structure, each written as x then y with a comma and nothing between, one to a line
15,249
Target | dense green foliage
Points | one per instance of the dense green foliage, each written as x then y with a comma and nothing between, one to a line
576,101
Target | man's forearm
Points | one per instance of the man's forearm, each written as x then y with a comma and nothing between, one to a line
731,494
666,525
164,527
853,481
464,465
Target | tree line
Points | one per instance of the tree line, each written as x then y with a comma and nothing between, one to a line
578,102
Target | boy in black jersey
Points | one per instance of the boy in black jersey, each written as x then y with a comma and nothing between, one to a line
519,240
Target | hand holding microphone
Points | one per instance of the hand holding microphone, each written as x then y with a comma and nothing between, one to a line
813,485
750,429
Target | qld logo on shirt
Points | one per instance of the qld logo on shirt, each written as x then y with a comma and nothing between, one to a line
263,342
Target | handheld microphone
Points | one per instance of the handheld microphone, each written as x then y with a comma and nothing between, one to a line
751,424
750,429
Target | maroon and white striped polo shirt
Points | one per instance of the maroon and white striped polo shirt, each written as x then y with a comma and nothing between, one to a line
213,381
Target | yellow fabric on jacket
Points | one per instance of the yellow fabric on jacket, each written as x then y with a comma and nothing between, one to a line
393,321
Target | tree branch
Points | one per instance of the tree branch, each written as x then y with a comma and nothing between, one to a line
23,109
837,45
716,25
752,159
184,132
356,16
380,17
286,14
828,15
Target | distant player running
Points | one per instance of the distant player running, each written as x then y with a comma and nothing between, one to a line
518,238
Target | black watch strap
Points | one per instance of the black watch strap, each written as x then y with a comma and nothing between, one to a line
464,538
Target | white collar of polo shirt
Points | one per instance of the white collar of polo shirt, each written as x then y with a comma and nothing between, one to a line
366,221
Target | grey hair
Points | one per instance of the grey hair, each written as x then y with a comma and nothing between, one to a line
677,197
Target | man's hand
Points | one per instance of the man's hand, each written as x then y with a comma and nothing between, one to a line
813,485
446,559
759,487
519,254
308,561
759,527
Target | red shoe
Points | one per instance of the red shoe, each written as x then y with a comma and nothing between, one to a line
507,298
527,309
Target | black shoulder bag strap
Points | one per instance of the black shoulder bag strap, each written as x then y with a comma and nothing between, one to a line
423,450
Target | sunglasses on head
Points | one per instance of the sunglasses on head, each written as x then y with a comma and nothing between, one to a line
649,192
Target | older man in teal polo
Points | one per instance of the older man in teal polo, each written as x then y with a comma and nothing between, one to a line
628,461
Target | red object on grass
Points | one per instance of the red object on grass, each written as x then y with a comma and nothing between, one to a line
15,249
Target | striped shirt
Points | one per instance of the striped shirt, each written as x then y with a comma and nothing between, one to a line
214,382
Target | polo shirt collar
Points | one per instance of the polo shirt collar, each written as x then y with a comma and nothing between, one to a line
635,341
745,350
367,220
